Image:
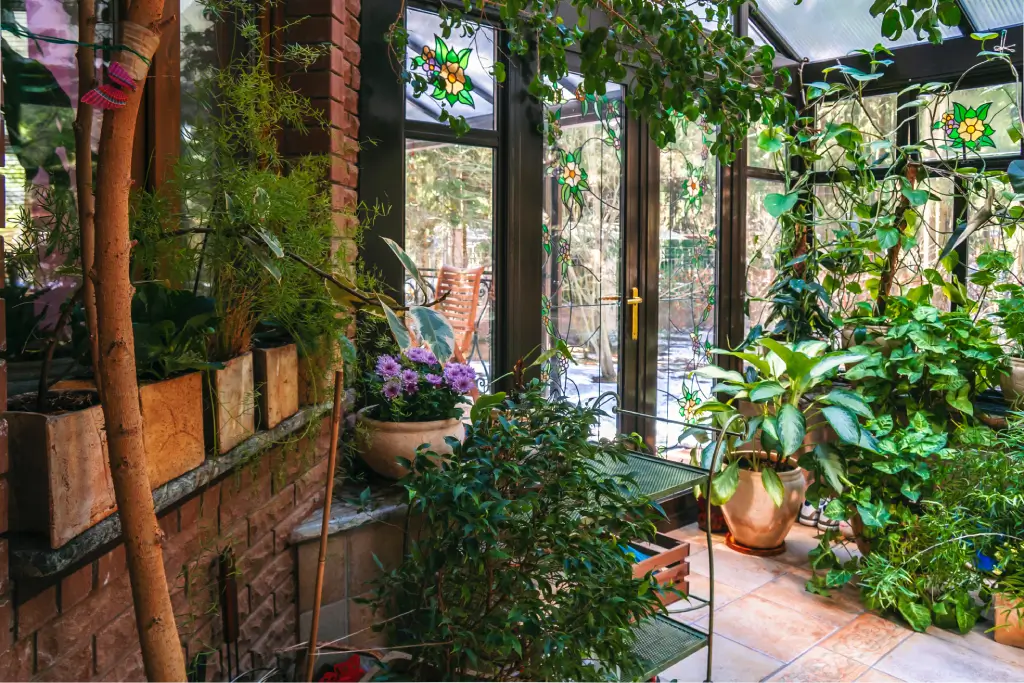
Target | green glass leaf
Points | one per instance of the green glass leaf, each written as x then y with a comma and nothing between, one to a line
982,112
959,112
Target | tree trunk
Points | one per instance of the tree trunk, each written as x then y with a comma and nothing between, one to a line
83,176
154,616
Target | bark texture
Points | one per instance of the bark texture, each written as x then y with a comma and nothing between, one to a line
154,616
83,176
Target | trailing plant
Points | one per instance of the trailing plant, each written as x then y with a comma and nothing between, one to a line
520,569
790,387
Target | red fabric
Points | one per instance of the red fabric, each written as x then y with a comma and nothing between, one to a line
348,671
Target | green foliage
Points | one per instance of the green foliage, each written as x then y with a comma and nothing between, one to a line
45,234
520,569
790,387
667,48
172,329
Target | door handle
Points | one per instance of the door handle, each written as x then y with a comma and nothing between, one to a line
634,304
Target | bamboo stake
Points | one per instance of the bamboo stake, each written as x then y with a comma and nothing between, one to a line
332,457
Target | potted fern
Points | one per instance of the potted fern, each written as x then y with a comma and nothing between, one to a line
761,485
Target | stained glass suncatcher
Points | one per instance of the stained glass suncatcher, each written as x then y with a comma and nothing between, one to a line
966,127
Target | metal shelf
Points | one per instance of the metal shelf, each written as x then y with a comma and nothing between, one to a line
662,642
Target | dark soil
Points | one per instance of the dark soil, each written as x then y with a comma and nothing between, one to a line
57,402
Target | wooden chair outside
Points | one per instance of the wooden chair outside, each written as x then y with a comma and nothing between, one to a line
461,304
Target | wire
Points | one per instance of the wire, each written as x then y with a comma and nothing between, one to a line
21,32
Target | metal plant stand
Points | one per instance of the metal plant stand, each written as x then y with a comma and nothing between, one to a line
662,641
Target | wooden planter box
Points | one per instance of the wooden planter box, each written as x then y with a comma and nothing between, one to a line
314,384
172,420
276,373
60,467
230,407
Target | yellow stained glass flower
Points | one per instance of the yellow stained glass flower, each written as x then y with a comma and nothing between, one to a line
971,129
454,78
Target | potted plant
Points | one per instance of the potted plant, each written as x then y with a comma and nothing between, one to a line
1008,595
1009,316
414,400
761,485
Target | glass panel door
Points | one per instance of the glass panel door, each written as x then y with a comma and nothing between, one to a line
687,233
583,245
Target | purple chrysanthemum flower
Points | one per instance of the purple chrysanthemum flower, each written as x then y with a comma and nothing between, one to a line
387,366
463,384
434,380
410,381
392,389
453,371
420,355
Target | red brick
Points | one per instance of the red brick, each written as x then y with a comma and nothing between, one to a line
276,571
302,8
5,579
110,566
169,523
351,50
352,28
255,625
209,507
130,668
188,513
3,505
251,563
36,611
16,662
76,666
314,85
316,30
312,482
74,587
262,521
280,632
284,595
6,624
180,551
5,458
77,625
243,493
114,639
303,509
201,638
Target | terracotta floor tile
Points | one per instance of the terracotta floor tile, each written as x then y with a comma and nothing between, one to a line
876,676
694,536
867,639
923,657
767,627
724,594
789,590
739,571
982,643
821,665
732,662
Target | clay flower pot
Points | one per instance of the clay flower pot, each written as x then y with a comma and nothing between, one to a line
754,520
382,443
1012,383
230,409
277,383
1009,618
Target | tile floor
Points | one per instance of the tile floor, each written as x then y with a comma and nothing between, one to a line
767,627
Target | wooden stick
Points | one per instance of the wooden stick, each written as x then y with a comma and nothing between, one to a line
332,457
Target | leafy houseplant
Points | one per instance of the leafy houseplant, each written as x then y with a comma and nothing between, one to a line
761,488
414,400
1010,317
518,571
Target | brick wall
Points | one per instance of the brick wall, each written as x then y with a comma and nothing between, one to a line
81,626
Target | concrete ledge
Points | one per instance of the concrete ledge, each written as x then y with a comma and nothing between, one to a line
32,557
348,514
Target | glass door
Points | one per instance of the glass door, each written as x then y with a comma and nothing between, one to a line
582,301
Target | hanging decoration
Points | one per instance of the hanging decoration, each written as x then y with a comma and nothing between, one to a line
966,127
451,85
572,177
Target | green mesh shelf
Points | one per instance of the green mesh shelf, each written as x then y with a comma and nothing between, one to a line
662,641
656,478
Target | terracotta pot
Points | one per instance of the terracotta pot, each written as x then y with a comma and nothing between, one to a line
60,473
230,409
1009,622
752,516
384,442
172,422
277,384
1013,382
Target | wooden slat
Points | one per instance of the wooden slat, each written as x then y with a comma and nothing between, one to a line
661,560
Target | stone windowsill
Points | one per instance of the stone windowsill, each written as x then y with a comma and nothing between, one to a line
347,513
33,557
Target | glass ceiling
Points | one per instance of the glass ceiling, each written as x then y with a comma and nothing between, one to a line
991,14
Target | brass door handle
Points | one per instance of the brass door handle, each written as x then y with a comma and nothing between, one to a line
634,303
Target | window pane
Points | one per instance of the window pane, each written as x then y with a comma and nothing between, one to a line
762,243
824,29
876,120
970,122
686,276
462,66
991,237
198,59
992,14
449,233
582,297
931,237
756,156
